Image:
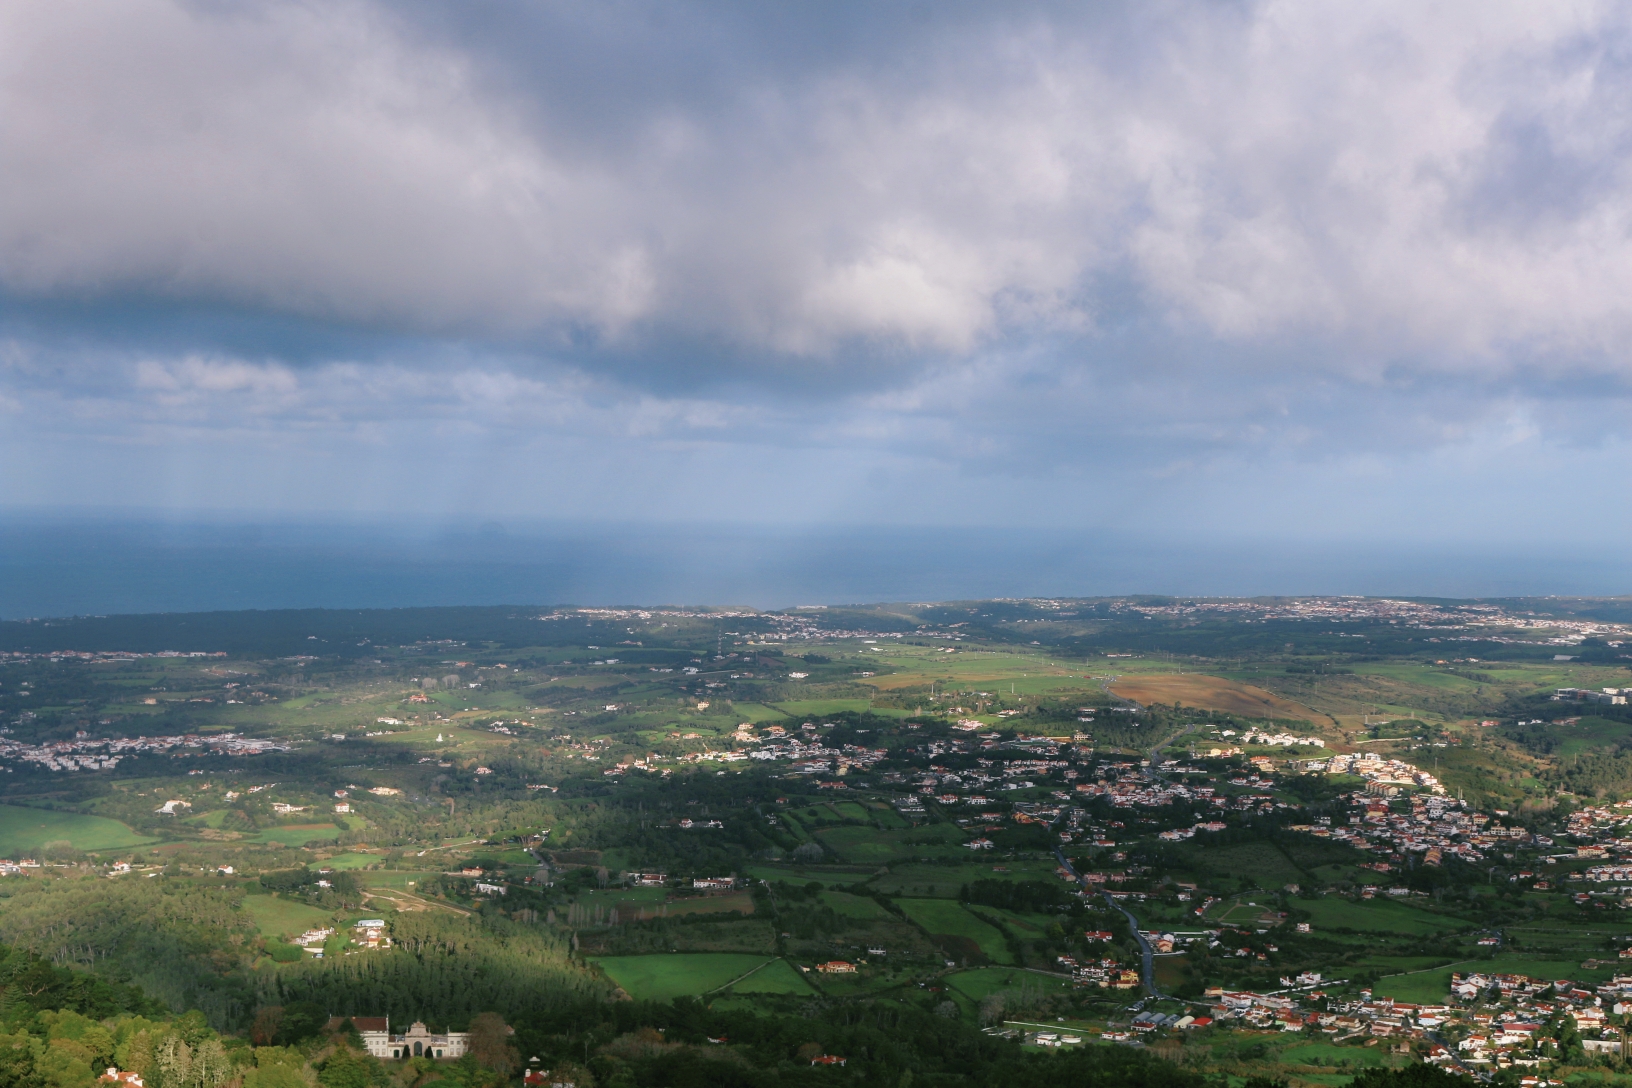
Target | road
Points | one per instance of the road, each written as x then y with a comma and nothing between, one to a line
1147,954
1155,754
1433,1036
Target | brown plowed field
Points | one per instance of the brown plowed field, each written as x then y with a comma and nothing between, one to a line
1213,693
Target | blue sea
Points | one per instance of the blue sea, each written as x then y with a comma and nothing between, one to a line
58,565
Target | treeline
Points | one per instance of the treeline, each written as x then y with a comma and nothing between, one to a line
330,891
191,947
61,1028
443,969
885,1044
188,946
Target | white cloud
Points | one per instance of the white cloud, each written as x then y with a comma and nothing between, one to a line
195,374
1273,170
1178,256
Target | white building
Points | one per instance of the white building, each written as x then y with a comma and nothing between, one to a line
417,1041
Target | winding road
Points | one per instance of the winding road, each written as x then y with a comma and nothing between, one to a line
1147,954
1147,971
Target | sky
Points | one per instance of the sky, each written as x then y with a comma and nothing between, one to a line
1331,274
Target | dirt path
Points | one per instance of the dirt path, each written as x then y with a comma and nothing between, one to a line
397,896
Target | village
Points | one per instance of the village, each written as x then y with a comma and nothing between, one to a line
86,753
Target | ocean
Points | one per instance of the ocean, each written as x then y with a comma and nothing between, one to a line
62,565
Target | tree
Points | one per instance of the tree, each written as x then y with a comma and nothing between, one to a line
275,1076
346,1068
63,1065
267,1026
211,1067
1416,1075
17,1062
173,1062
489,1043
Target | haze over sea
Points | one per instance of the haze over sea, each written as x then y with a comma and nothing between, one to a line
59,564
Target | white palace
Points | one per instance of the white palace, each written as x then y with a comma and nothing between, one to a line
417,1042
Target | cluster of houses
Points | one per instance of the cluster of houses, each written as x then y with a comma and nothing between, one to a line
1436,827
1105,973
1141,789
85,753
1276,740
1505,1016
1179,834
366,933
1378,771
12,657
813,758
1609,696
1508,1024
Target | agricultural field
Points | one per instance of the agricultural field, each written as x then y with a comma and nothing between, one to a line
1215,693
1376,916
661,977
775,977
1244,912
277,916
854,906
1326,1054
395,878
971,936
351,861
947,881
869,846
298,834
27,830
982,982
1266,863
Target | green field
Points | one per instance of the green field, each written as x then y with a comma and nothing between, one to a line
810,709
870,846
393,878
1400,965
1023,925
666,976
853,906
1327,1054
351,861
890,818
26,830
1376,916
776,977
942,917
1422,987
754,712
1262,861
937,881
280,917
298,835
983,981
1244,912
